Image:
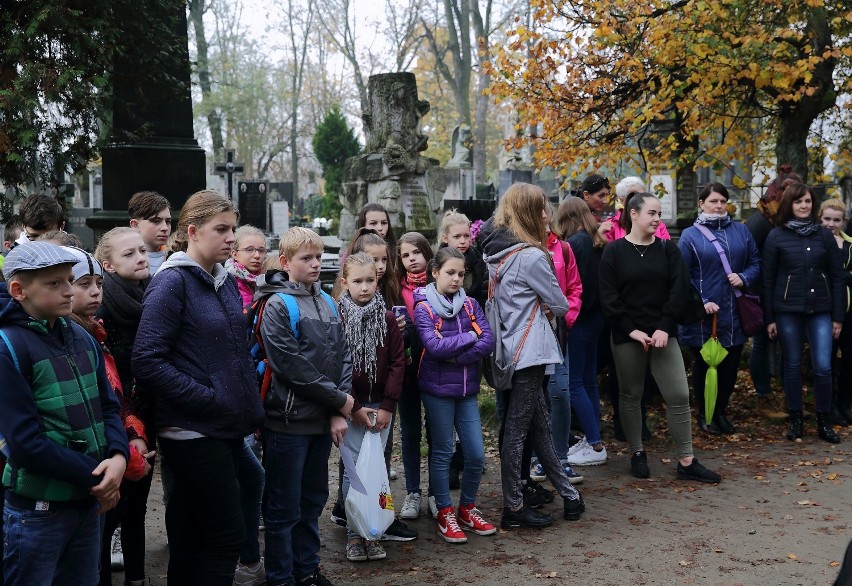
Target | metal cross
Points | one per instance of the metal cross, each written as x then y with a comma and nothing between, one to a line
228,169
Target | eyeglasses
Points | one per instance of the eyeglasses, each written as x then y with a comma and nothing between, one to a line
252,250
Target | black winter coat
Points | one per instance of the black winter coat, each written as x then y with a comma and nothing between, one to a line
802,274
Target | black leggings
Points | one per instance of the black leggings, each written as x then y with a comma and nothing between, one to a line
130,514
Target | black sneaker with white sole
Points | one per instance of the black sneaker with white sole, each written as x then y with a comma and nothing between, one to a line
399,531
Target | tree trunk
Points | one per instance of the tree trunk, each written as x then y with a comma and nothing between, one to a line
481,28
795,119
214,121
480,130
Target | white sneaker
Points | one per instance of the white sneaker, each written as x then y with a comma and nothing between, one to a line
587,456
410,506
393,475
116,555
578,446
254,575
433,507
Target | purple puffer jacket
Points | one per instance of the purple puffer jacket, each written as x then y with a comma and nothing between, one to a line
450,366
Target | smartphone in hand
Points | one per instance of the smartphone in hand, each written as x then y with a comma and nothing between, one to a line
400,311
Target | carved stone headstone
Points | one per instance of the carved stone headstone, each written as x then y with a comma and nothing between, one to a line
461,157
391,171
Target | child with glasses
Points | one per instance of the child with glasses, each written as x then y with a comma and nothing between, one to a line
247,258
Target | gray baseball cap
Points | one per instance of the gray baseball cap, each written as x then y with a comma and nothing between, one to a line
31,256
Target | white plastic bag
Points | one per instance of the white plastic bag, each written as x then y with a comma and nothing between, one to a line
369,504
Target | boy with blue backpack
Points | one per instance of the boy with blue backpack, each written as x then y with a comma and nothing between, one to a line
67,448
307,405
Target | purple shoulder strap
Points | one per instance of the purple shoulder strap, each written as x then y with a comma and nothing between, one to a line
725,264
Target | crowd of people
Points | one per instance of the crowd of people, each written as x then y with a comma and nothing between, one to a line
235,371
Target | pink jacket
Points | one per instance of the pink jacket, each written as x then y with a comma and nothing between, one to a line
567,274
618,230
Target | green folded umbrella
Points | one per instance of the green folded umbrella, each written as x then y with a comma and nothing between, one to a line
713,354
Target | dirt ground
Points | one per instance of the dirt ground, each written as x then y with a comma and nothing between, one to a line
781,516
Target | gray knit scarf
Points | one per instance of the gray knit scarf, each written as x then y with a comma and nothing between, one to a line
365,328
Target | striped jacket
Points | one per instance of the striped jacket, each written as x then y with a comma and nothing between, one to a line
60,416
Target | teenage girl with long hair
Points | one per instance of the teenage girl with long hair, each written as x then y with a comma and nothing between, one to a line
415,254
528,295
576,224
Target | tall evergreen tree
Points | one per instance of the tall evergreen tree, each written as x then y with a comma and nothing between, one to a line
334,142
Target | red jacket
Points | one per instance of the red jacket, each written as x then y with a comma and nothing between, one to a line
567,274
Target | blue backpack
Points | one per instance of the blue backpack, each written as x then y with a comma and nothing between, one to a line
254,313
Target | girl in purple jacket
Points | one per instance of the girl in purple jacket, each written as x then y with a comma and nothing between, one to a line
455,337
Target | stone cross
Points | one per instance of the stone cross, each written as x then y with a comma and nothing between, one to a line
228,169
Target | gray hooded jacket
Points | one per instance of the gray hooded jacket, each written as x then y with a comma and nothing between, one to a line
526,277
312,375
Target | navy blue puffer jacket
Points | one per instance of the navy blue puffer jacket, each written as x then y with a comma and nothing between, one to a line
191,352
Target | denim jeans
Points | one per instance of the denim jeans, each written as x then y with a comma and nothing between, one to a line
410,426
204,520
59,546
582,346
251,476
559,404
792,328
443,414
296,493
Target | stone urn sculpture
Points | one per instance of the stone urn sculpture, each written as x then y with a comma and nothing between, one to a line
391,171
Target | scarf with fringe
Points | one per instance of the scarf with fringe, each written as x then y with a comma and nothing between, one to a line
365,328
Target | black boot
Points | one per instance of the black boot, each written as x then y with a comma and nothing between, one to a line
796,426
837,417
574,508
721,422
824,429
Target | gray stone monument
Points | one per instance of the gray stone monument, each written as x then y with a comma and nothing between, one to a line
461,180
391,171
514,166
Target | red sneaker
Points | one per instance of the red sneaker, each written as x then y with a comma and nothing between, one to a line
448,526
470,517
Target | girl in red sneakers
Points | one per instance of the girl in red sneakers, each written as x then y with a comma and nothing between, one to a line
455,337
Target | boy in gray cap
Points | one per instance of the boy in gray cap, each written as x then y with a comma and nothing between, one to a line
67,449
